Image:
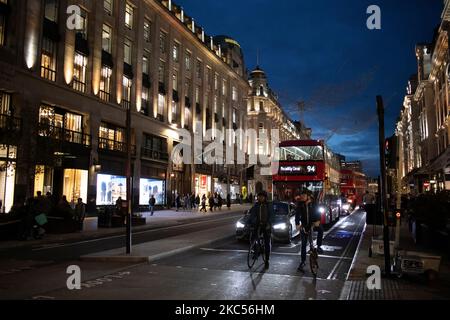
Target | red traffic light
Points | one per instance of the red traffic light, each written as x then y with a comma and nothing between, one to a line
398,215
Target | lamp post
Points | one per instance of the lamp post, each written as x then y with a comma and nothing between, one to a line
383,184
128,175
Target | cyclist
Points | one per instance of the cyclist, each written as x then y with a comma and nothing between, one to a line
306,216
261,218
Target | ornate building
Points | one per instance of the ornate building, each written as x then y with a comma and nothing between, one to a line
64,94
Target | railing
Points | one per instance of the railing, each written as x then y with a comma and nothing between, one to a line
113,145
104,95
9,123
48,74
78,85
154,154
58,133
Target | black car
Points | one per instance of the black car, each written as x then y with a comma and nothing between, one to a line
283,227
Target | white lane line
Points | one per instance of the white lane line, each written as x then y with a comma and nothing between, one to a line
347,248
134,233
276,253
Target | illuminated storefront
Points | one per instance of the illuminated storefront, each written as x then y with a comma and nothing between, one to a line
202,184
149,187
110,188
74,183
7,177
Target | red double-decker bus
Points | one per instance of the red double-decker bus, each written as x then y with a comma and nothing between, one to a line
311,165
353,185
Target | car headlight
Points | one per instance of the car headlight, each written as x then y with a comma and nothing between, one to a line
280,226
240,225
322,210
346,206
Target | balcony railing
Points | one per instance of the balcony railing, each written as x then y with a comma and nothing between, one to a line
113,145
10,124
79,85
48,73
58,133
154,154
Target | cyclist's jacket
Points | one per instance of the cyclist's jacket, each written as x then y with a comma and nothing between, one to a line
262,214
306,214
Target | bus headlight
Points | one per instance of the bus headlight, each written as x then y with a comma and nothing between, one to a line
346,206
240,225
321,210
280,226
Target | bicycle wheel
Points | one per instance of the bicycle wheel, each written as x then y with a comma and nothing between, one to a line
252,254
313,262
262,249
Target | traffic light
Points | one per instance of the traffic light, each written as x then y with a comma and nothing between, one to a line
389,151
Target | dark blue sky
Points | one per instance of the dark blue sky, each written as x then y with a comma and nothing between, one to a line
320,51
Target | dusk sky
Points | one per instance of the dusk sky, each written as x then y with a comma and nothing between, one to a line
321,52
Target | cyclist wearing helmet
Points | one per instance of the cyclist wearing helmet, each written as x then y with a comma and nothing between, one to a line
261,218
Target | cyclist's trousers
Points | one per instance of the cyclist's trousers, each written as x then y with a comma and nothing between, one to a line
267,240
304,239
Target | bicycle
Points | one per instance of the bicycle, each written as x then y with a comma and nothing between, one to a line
313,255
256,249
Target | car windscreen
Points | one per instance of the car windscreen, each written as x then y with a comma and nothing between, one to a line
281,209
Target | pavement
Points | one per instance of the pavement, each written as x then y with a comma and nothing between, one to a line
160,219
408,287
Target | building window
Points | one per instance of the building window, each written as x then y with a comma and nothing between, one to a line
197,94
2,29
129,16
145,63
48,59
127,52
175,81
51,10
216,82
234,94
261,106
234,115
5,101
161,71
126,93
224,88
79,72
161,106
162,42
187,61
111,138
223,110
61,125
199,69
187,117
176,52
105,83
147,30
108,6
174,111
145,106
107,38
154,147
83,24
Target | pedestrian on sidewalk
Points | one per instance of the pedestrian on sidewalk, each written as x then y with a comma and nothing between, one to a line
193,203
203,208
228,201
177,202
151,204
219,201
211,203
197,201
80,213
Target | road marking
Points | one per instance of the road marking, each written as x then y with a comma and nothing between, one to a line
347,248
48,247
276,253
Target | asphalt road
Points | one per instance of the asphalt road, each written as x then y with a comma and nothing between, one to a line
220,271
